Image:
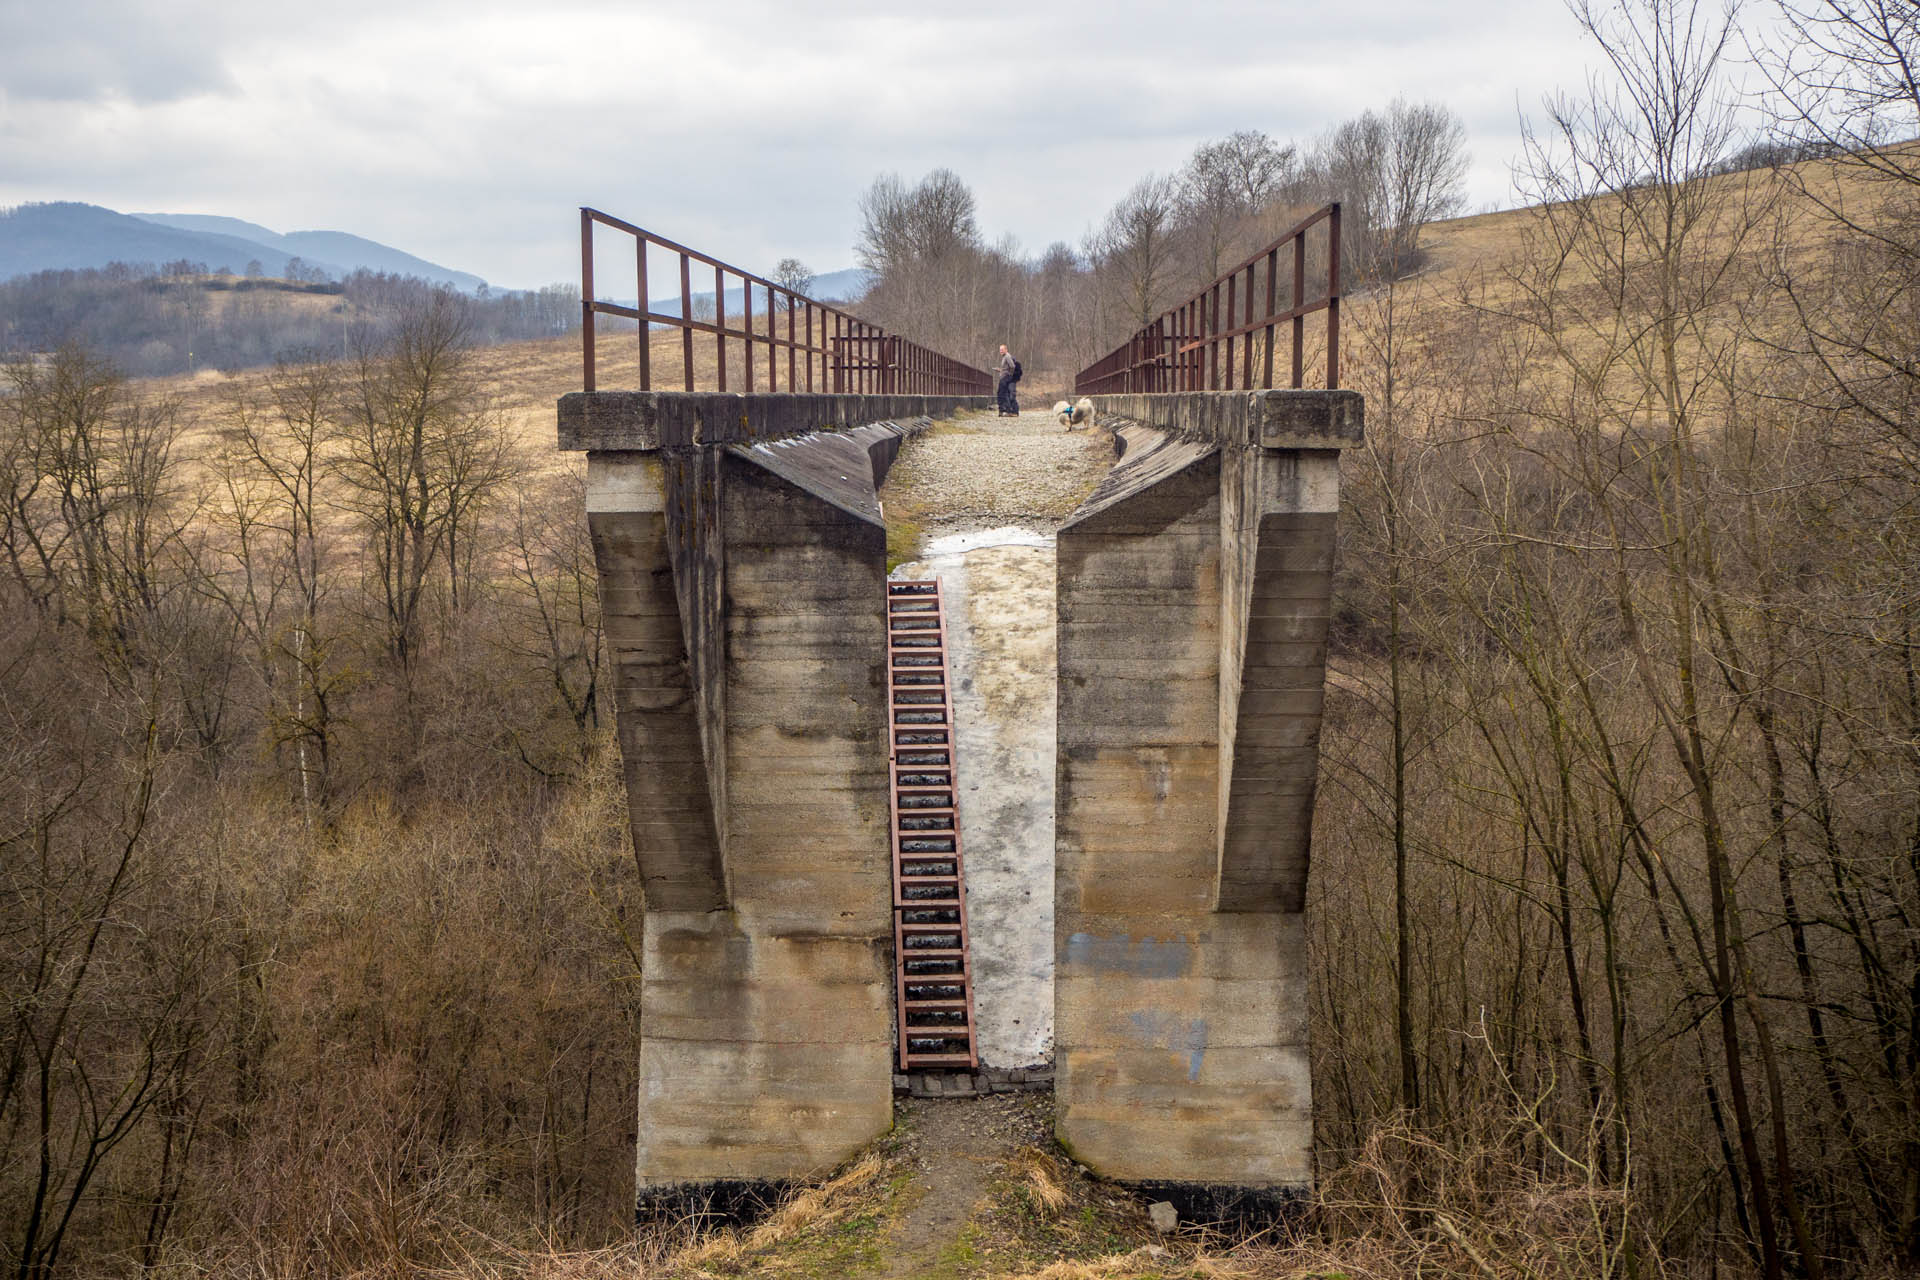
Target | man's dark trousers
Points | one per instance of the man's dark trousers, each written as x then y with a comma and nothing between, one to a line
1004,393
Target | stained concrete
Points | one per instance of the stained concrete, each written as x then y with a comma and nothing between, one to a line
742,587
605,421
1193,594
742,581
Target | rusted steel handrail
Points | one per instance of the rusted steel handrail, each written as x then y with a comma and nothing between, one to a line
848,355
1181,350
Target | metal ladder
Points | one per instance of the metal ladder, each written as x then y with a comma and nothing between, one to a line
933,977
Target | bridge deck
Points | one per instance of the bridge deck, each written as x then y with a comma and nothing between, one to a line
980,471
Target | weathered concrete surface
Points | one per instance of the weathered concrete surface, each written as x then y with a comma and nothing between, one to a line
601,421
741,566
742,583
993,490
1193,591
660,715
1271,419
1278,512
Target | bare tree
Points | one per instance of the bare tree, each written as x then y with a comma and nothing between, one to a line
550,558
791,273
1846,81
1395,172
94,512
1621,198
419,448
935,282
1133,250
1223,184
901,227
100,1028
272,476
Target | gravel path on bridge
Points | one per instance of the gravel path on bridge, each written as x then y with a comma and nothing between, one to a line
984,471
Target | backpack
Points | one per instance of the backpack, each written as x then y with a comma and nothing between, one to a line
1016,371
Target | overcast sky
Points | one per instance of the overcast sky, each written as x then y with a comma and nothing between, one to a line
468,133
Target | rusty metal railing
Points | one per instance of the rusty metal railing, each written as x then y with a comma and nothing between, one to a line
826,349
1182,349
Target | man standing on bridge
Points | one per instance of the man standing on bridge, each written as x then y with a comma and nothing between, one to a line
1009,374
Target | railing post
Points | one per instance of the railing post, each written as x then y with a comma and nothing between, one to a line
1233,303
1299,321
646,327
686,320
1246,339
586,298
1273,282
1333,296
720,322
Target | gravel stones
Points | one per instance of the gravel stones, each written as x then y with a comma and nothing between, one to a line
981,471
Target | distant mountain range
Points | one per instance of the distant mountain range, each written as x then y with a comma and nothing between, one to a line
70,235
834,286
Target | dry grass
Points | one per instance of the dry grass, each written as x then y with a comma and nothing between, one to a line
1463,250
1044,1181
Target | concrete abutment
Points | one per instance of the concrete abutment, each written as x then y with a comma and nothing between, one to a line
742,561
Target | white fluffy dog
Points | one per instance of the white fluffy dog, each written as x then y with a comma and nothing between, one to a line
1074,415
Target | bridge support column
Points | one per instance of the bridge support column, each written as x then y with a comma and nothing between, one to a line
1194,588
742,576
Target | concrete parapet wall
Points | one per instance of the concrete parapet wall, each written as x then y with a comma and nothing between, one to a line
1193,598
598,421
1270,419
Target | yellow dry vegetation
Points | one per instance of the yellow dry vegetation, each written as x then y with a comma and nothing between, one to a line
1515,275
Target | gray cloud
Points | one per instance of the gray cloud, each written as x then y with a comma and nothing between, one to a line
467,133
98,50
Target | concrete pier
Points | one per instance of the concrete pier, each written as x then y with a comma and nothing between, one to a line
1194,590
742,562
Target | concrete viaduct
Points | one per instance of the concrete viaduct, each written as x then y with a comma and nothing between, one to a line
742,568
